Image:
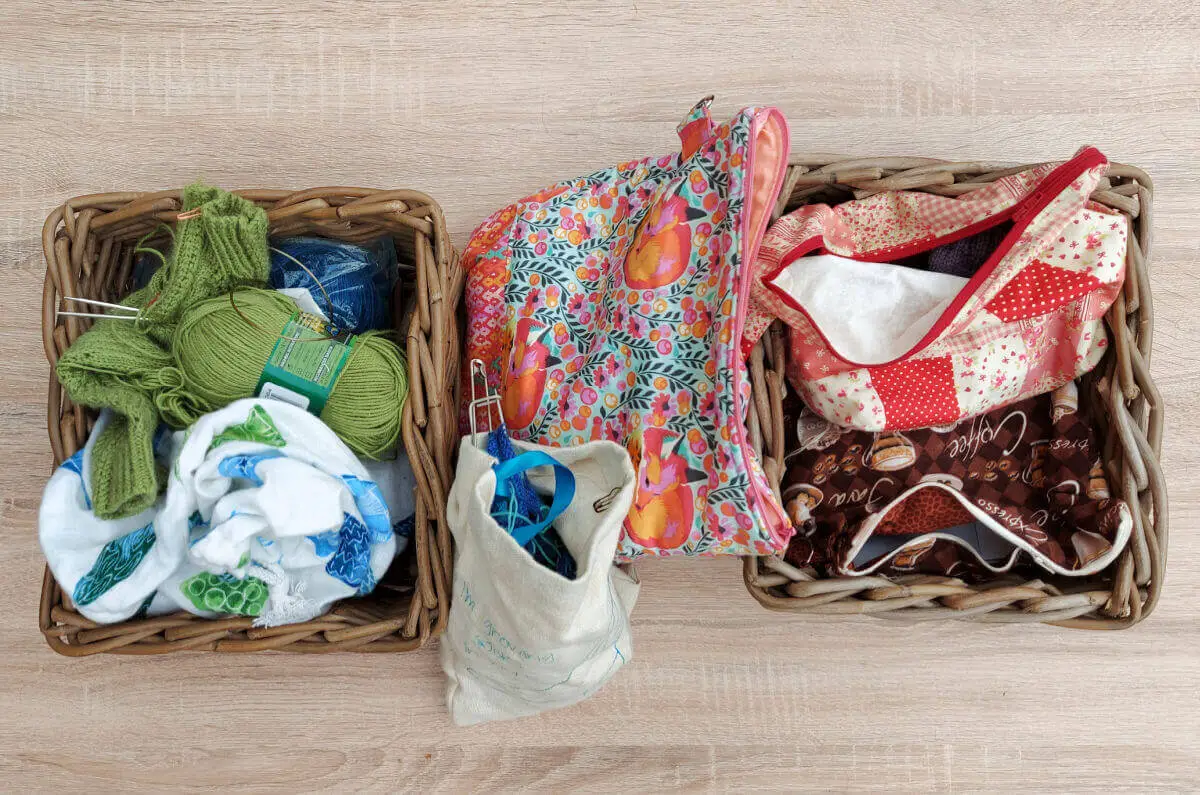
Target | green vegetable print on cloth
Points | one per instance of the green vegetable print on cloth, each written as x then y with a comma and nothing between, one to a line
224,593
258,427
115,563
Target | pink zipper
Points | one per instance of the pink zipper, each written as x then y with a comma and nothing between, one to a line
751,240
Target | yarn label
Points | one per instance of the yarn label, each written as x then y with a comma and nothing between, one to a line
305,363
277,392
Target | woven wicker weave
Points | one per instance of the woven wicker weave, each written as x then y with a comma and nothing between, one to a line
1124,399
89,245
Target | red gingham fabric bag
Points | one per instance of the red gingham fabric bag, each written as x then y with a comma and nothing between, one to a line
1028,321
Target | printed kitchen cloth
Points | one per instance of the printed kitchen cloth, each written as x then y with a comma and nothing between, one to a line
969,499
266,514
889,333
610,307
522,638
110,568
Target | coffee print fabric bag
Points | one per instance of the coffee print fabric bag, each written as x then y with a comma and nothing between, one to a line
968,500
909,309
522,638
610,307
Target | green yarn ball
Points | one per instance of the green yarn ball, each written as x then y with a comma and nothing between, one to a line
221,348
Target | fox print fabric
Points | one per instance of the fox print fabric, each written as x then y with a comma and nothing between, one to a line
610,307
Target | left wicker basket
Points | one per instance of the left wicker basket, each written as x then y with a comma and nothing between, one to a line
89,243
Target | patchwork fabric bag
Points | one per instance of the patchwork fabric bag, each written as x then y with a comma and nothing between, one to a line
970,500
909,310
521,637
610,307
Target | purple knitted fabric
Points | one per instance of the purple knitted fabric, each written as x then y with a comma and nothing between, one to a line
965,257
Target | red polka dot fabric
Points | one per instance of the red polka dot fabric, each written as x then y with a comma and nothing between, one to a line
1038,289
917,393
1057,270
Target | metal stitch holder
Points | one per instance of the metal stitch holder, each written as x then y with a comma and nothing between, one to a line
483,397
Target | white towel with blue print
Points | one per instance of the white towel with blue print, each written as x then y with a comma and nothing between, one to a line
267,514
110,568
398,484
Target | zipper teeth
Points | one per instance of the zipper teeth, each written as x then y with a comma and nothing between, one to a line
764,496
1020,543
1013,213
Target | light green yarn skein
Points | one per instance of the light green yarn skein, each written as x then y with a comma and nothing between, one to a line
222,355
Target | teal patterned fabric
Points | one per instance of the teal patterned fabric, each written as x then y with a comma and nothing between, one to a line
116,562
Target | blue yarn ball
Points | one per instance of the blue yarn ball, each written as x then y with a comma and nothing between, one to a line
358,279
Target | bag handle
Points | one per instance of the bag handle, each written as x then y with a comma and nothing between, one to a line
564,489
696,129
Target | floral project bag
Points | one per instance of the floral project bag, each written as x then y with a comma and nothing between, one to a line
610,307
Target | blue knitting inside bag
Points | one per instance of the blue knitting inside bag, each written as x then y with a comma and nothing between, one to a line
355,280
518,508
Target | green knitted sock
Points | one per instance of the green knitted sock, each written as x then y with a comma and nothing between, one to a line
222,248
127,366
116,366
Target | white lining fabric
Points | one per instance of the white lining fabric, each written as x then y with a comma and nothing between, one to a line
867,529
976,536
871,312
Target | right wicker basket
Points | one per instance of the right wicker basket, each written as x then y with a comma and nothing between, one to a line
1124,401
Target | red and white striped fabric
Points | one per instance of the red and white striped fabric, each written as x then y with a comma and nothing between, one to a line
882,346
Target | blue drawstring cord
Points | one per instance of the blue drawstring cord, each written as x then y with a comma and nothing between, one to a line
518,507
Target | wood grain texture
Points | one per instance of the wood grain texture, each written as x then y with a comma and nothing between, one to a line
478,106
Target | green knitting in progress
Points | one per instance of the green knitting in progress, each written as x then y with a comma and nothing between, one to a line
187,355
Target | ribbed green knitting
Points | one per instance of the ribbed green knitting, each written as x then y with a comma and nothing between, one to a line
127,366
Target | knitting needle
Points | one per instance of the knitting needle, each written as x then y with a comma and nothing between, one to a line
137,313
93,302
313,276
94,316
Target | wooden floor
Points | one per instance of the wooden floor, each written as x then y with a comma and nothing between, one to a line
478,108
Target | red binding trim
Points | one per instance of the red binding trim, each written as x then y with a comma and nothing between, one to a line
1022,214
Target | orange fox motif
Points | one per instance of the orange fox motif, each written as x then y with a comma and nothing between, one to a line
661,516
525,375
546,194
662,245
